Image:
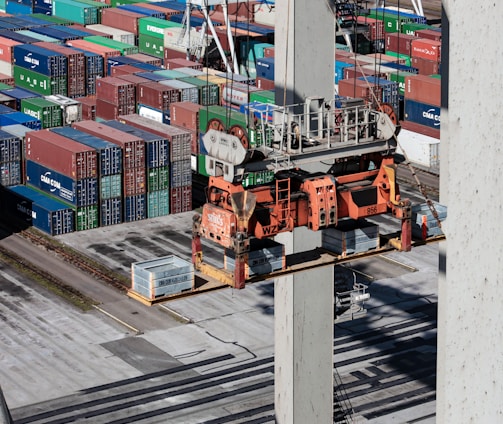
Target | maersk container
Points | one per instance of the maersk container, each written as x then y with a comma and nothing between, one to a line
110,186
75,192
75,11
10,173
135,208
110,211
109,154
40,60
180,173
133,154
10,147
62,154
188,92
157,147
158,179
20,118
39,83
209,93
422,113
47,112
158,203
48,214
71,110
124,48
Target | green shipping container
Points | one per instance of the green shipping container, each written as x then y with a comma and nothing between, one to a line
86,218
154,27
265,96
209,93
110,186
116,3
158,203
78,12
49,113
124,48
410,28
257,178
404,57
4,86
227,118
399,77
158,178
392,22
39,83
151,45
201,165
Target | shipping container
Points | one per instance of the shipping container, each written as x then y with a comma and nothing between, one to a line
420,149
185,114
399,43
158,179
110,186
266,84
71,109
209,93
48,215
118,61
137,8
421,130
16,209
116,91
422,113
425,66
151,45
6,49
135,208
40,60
156,147
54,33
157,95
18,131
105,52
423,89
13,35
106,110
47,112
77,12
86,218
88,107
111,211
39,83
62,154
426,49
147,59
11,147
109,154
157,115
120,70
39,37
6,81
181,199
169,74
154,27
133,79
179,139
77,193
133,153
124,48
158,203
20,118
10,173
121,19
180,173
188,92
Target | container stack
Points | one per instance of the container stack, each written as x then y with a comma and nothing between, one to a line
11,148
133,167
151,35
47,112
157,168
109,173
81,13
115,97
66,169
157,96
185,115
7,55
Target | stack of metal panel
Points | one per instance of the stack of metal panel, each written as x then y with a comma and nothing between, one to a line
109,173
10,159
350,237
162,277
66,169
424,224
134,186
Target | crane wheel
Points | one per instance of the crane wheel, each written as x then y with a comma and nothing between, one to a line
239,132
215,124
390,111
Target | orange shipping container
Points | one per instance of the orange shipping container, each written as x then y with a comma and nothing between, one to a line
6,45
426,49
424,89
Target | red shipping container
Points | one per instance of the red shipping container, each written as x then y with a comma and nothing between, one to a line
181,199
61,154
170,54
179,139
110,111
372,94
185,114
134,181
106,52
7,79
422,88
121,19
182,63
157,95
376,27
239,9
219,17
146,58
6,45
134,79
429,34
88,107
269,52
133,148
116,90
426,49
120,70
264,83
420,129
381,58
399,43
425,66
360,71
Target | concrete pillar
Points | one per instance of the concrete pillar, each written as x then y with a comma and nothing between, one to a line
470,351
304,331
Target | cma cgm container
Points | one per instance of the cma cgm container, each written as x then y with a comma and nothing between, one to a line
62,154
49,215
109,154
133,148
47,112
179,139
422,113
78,193
40,60
156,147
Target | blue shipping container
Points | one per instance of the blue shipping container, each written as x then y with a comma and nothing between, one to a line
54,32
148,66
422,113
265,68
10,147
20,118
119,60
109,154
16,8
5,109
157,154
110,212
75,192
43,9
143,11
48,214
135,208
19,94
13,35
38,59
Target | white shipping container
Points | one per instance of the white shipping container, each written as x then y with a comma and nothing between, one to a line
264,14
173,41
5,68
116,33
149,113
419,149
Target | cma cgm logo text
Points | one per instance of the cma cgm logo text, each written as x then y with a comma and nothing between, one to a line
46,178
215,219
30,59
155,29
430,114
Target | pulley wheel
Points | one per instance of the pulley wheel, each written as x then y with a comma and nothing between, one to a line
239,132
390,111
215,124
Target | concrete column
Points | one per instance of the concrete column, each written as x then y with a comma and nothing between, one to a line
304,331
470,334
